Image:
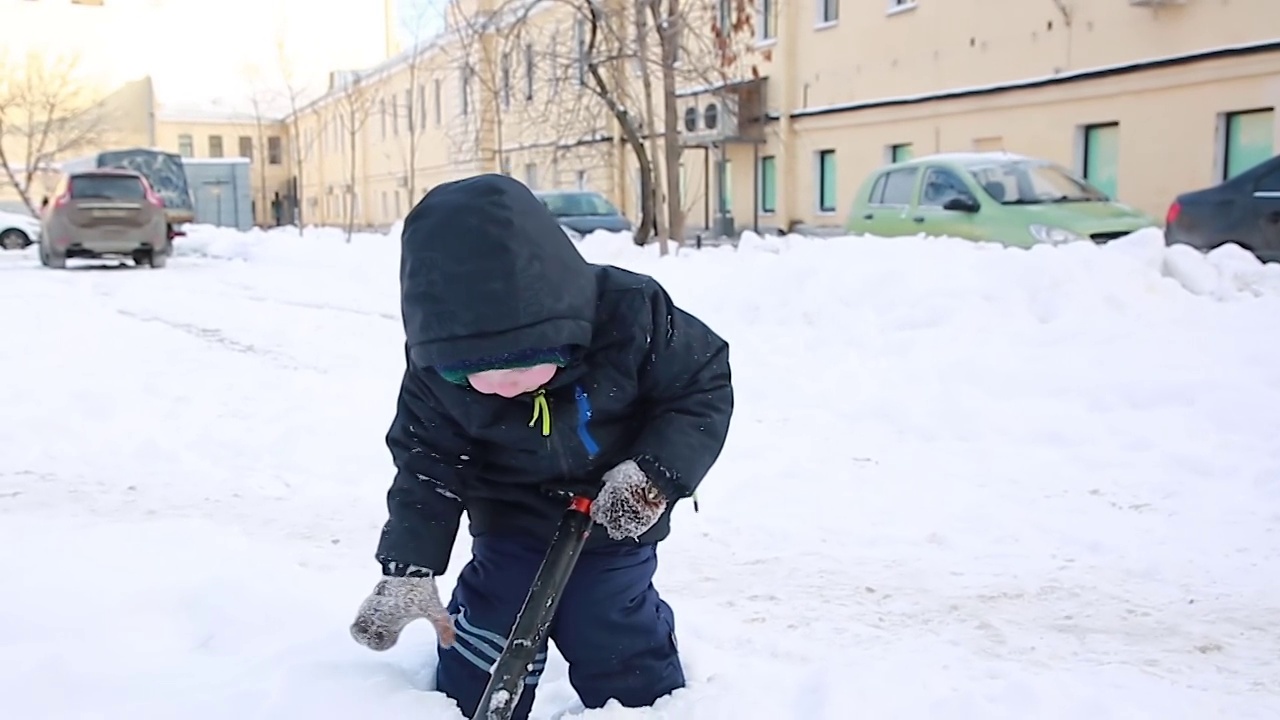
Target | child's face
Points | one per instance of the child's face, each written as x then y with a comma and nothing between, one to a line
510,383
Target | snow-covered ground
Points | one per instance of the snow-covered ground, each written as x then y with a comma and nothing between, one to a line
963,482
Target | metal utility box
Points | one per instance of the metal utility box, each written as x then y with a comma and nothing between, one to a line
222,191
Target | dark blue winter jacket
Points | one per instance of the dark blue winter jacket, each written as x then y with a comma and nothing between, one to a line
486,270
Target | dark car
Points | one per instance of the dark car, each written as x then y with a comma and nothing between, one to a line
1244,210
584,211
105,213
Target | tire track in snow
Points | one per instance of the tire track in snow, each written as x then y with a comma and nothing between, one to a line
218,338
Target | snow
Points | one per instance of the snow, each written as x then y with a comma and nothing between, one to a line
962,482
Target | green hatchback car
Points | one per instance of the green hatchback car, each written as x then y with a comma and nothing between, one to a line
995,197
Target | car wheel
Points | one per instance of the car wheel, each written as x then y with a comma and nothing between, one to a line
150,258
14,239
50,260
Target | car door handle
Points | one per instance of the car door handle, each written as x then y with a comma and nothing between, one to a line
868,216
917,219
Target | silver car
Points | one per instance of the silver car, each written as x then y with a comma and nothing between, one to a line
104,213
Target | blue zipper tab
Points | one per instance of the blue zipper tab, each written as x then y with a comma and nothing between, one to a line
584,416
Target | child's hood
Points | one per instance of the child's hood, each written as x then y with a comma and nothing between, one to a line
485,269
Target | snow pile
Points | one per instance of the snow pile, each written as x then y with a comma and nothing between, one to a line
962,482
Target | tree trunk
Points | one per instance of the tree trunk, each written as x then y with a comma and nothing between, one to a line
651,117
626,125
669,35
297,170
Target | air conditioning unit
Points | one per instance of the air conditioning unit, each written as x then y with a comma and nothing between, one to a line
708,117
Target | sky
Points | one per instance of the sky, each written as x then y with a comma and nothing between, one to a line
198,51
427,15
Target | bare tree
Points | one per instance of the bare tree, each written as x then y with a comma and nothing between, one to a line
263,101
482,45
295,95
355,101
645,66
699,44
417,56
46,113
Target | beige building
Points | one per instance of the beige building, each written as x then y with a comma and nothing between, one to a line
1146,98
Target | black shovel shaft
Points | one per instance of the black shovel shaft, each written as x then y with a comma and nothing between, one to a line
506,679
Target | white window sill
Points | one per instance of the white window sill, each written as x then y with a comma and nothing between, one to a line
765,43
826,25
900,9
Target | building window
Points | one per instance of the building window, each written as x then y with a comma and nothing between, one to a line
505,69
437,94
422,106
901,152
246,147
1248,138
465,90
768,184
531,175
581,181
395,115
408,111
724,184
828,12
827,181
186,146
215,146
275,150
896,6
528,71
724,17
768,14
1099,156
580,40
382,113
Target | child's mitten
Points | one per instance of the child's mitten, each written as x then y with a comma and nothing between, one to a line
396,602
629,503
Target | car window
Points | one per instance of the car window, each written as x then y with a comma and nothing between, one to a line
1021,182
578,204
875,197
1269,183
898,185
941,185
107,187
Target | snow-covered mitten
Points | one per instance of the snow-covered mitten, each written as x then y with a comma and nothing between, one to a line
629,503
396,602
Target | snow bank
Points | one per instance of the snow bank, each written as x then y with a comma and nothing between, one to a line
1140,260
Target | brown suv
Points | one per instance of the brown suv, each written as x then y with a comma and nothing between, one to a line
104,213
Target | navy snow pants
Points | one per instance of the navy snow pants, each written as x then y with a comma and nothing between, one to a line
615,632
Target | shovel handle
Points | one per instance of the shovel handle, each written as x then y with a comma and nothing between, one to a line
507,676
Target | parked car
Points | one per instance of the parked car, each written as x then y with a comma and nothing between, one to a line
584,211
18,231
992,196
105,213
1244,210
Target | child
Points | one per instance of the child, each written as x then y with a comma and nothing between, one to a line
532,375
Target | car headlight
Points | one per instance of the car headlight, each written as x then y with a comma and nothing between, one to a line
1053,235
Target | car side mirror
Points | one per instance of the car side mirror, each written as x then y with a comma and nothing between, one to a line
962,203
